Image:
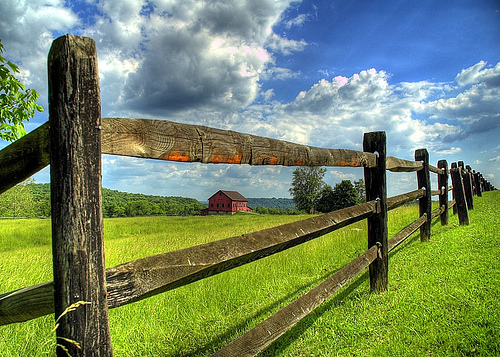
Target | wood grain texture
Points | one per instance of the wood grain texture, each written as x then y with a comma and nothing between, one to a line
262,335
400,165
459,196
141,278
27,303
24,157
424,202
166,140
75,177
436,170
406,232
376,189
399,200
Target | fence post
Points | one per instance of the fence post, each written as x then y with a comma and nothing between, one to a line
376,189
75,162
459,194
469,187
443,186
424,203
455,211
477,182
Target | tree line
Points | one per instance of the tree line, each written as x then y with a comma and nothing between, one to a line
30,199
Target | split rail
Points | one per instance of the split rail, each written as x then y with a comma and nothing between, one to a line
72,143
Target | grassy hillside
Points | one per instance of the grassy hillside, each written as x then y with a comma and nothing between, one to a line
442,296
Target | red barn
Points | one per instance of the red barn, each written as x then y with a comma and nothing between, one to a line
226,202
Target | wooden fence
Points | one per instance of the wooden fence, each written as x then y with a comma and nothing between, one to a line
73,141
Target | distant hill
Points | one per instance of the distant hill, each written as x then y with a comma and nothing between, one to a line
114,203
283,203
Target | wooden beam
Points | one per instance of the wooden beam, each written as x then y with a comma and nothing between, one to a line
75,177
261,336
400,165
24,157
141,278
435,169
399,200
406,232
166,140
376,189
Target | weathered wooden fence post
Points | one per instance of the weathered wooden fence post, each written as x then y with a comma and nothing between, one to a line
77,237
424,203
468,186
376,189
459,194
455,211
443,186
477,181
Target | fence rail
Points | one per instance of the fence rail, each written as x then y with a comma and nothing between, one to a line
79,130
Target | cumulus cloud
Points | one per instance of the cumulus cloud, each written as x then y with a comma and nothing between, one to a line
181,55
26,30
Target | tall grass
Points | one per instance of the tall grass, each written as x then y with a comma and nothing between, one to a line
200,318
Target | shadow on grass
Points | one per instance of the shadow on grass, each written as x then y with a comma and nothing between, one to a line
215,343
289,337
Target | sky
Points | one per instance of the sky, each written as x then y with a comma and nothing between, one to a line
319,73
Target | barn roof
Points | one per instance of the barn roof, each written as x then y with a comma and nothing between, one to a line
233,195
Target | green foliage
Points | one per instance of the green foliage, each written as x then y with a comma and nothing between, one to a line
343,195
307,185
122,204
272,210
17,104
283,203
33,200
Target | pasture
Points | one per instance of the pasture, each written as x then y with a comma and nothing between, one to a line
442,296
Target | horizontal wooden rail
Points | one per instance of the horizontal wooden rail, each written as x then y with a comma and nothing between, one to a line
166,140
435,192
435,170
262,335
406,232
399,200
437,212
411,228
24,157
400,165
145,277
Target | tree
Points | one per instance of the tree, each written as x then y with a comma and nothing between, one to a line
17,104
343,195
307,185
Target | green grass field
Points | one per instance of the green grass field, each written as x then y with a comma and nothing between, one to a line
442,298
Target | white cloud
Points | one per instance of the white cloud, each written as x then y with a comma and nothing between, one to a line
478,73
297,21
283,45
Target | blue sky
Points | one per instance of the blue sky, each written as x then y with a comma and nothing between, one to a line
314,72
